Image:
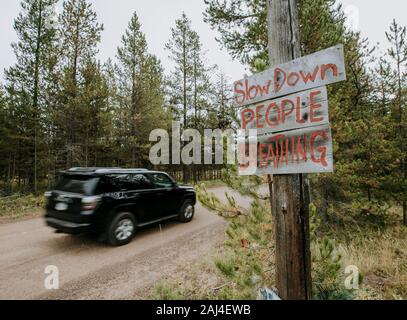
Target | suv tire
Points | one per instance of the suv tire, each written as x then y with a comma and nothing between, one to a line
187,211
121,229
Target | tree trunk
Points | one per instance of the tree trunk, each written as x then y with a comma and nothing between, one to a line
290,192
35,94
401,127
270,183
184,48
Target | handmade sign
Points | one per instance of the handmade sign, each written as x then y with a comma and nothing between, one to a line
284,116
316,70
300,110
307,150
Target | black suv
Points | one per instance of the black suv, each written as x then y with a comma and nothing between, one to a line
115,202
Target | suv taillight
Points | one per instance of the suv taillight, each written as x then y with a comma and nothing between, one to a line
90,203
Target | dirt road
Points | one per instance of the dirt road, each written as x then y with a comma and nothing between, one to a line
92,270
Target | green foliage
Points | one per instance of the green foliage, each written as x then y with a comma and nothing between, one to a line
327,265
82,90
246,186
62,108
138,99
242,25
248,260
366,111
368,122
162,292
211,202
226,267
25,86
397,37
189,79
19,205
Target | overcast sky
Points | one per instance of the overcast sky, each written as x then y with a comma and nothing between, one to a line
157,17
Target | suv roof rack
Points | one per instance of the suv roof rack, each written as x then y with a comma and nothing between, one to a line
104,170
89,169
118,170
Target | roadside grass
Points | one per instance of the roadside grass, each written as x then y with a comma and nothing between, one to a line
203,281
20,206
233,270
211,183
376,245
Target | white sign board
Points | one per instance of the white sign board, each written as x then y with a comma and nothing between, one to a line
316,70
300,110
307,150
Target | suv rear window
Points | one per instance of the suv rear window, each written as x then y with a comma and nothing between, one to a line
77,184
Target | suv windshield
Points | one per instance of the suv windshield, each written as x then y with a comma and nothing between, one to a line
77,184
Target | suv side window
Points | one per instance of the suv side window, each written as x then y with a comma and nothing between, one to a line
105,186
139,182
117,182
162,180
125,182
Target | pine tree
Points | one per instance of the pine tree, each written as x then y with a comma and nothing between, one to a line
223,115
397,37
6,149
179,46
202,87
36,37
131,56
79,34
183,44
139,92
242,25
384,79
190,85
95,116
359,146
153,111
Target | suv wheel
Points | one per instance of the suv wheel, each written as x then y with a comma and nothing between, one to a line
187,211
121,229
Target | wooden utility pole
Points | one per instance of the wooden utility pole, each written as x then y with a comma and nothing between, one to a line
290,197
